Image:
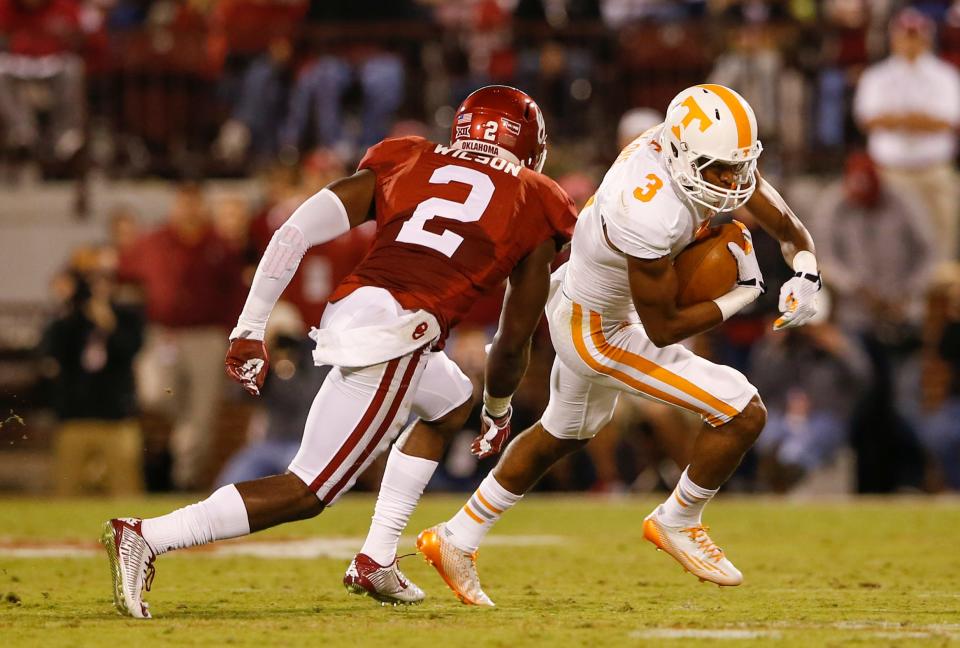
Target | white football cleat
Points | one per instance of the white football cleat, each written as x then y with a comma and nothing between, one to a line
386,584
693,549
457,567
131,565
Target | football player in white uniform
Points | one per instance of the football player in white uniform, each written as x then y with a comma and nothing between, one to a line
616,326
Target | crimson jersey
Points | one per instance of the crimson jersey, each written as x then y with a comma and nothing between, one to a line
452,224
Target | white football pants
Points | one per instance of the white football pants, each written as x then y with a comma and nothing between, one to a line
360,410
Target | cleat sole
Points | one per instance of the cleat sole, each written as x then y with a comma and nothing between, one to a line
360,590
108,540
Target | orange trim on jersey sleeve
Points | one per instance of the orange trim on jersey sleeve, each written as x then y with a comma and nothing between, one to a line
740,118
644,366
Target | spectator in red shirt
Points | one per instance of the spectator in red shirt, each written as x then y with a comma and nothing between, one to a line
40,43
191,279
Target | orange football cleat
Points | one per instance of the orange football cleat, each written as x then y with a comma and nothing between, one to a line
456,567
693,549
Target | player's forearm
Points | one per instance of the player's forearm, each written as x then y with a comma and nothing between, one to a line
319,219
506,365
683,323
794,238
773,214
523,304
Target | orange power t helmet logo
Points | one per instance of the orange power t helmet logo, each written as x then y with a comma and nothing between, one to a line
694,113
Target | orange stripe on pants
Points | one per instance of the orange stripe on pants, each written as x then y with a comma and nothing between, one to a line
652,369
644,366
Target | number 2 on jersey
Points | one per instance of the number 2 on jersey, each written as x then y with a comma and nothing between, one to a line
469,211
649,190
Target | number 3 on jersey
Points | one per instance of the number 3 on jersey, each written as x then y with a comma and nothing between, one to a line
649,190
469,211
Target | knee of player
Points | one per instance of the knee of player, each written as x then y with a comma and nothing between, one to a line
454,420
308,505
557,446
752,419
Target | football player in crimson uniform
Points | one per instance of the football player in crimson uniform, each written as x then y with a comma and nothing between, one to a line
453,221
616,327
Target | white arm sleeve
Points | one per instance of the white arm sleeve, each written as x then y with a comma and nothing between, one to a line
321,218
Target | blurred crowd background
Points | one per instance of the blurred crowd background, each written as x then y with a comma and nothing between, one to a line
149,148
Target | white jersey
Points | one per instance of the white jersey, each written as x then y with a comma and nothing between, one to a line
642,215
602,347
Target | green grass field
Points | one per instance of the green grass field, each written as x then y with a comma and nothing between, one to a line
563,572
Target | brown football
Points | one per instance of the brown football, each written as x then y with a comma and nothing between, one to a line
706,269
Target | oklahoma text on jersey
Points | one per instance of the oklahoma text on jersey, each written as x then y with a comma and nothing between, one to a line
496,163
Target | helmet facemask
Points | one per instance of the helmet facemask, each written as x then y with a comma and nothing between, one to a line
542,142
688,171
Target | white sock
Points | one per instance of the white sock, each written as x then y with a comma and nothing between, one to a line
685,504
470,525
220,516
403,482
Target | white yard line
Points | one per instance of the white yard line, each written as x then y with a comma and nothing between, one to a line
295,549
875,629
694,633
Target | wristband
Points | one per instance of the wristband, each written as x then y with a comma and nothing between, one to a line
496,406
735,300
805,262
245,333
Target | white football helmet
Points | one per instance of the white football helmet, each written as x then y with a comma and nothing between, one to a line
711,123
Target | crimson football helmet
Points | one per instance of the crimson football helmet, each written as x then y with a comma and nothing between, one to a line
504,122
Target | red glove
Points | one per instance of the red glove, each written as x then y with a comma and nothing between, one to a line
494,432
247,363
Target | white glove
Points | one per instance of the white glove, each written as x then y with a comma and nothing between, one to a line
748,270
749,279
799,300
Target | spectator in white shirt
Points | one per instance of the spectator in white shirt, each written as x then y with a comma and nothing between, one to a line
909,106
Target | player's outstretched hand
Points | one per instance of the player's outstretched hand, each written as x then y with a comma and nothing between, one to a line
799,299
247,363
494,432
